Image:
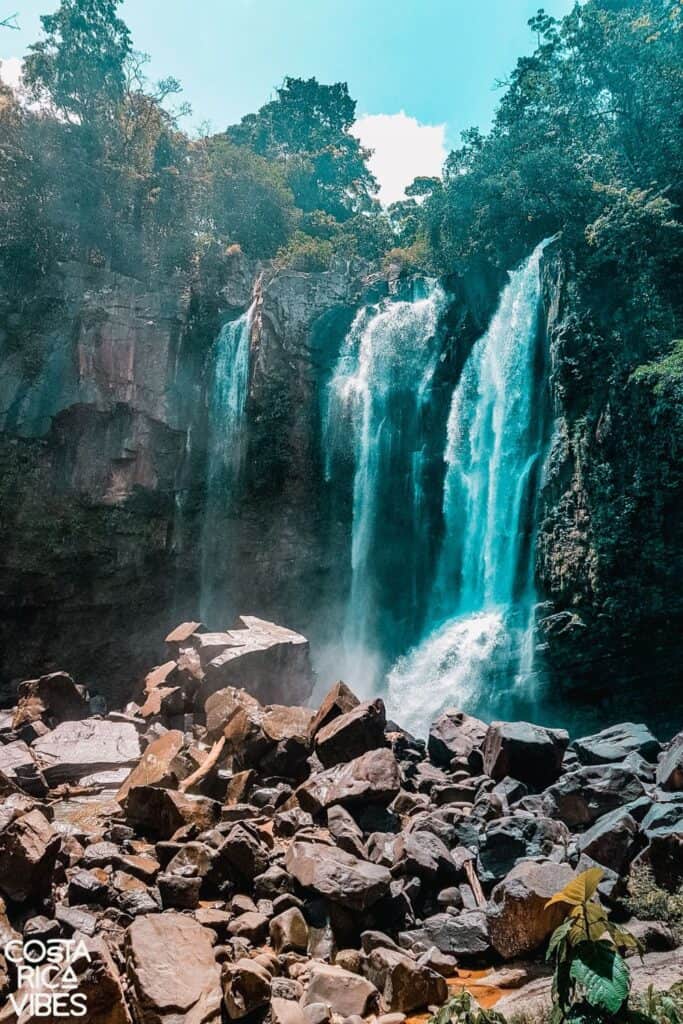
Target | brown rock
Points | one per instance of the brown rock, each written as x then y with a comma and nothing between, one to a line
372,777
53,698
345,993
289,932
182,634
524,751
455,734
155,765
161,812
28,847
352,734
338,701
246,987
405,985
75,749
340,876
172,971
252,926
518,919
19,767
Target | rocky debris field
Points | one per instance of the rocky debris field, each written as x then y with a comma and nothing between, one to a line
216,857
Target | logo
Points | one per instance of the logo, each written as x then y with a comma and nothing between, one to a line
46,978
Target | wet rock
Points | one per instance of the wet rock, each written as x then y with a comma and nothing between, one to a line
289,932
524,751
425,855
616,743
263,658
611,840
372,777
456,735
518,837
28,848
342,991
155,768
75,749
462,935
518,919
352,734
246,987
172,971
670,767
18,766
242,853
340,876
339,700
580,797
405,984
52,699
161,812
346,833
251,926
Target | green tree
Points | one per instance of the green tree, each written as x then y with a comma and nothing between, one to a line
308,129
79,65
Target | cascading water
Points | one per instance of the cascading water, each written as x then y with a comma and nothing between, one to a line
477,651
374,416
225,446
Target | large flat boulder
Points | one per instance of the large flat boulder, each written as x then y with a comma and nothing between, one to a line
268,660
340,876
461,935
75,749
19,766
518,837
173,975
344,992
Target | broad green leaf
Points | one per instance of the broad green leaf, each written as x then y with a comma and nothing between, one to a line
580,889
558,936
603,975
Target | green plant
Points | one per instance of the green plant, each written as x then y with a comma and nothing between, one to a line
591,977
658,1007
462,1009
650,902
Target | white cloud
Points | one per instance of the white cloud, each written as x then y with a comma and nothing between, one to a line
10,71
404,149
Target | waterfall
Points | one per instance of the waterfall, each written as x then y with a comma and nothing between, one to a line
373,418
477,650
225,454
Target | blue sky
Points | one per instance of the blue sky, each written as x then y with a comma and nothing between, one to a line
429,63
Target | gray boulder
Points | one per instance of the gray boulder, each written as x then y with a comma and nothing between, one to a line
524,751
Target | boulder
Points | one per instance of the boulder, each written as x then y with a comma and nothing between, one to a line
18,767
337,701
155,768
457,735
345,993
524,751
28,848
580,797
670,767
246,987
161,812
53,699
242,854
251,926
616,743
268,660
346,833
289,932
352,734
371,778
424,855
405,984
518,919
228,704
518,837
75,749
172,972
461,935
339,876
611,841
